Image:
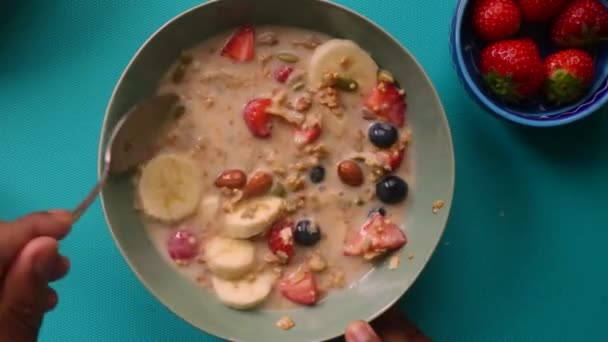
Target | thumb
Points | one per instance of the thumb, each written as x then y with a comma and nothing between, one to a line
25,292
360,331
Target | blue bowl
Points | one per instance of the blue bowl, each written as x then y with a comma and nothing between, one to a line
465,49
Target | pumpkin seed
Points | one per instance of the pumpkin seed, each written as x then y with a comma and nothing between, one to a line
296,77
268,38
298,86
185,58
278,189
309,43
178,111
179,73
385,76
346,84
288,57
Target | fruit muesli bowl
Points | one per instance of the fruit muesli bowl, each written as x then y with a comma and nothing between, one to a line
548,36
305,179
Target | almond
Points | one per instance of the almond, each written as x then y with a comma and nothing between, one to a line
350,173
259,184
231,179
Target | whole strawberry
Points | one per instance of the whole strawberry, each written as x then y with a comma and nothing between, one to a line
512,69
569,74
540,11
495,20
583,23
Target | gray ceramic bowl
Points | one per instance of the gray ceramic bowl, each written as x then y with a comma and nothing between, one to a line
433,169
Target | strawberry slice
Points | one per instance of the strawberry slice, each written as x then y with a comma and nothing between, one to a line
392,159
280,240
282,73
376,237
256,118
307,136
386,102
395,159
300,287
241,46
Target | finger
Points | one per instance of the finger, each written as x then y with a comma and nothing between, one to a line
14,235
393,326
24,295
392,317
360,331
61,269
53,223
51,299
414,333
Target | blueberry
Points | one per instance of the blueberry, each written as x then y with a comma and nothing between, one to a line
380,211
382,134
391,189
306,233
317,174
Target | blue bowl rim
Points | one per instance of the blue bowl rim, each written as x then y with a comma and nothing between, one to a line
482,99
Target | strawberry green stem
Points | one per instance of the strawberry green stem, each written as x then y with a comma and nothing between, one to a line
562,87
502,86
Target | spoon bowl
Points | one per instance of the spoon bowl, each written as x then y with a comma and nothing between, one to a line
132,141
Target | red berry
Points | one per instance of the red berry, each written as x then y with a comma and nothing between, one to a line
305,136
569,73
300,287
540,11
280,240
583,23
395,158
512,69
241,45
374,238
282,73
391,159
387,102
256,118
182,246
496,19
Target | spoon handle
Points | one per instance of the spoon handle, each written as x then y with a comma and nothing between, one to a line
86,203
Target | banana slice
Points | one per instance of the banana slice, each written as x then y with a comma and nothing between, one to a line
345,58
244,294
170,187
207,210
252,217
229,258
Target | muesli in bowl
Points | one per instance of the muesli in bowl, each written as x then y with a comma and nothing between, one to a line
285,173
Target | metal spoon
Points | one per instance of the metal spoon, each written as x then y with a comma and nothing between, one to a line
131,141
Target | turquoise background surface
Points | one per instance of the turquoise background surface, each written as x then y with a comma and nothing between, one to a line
523,255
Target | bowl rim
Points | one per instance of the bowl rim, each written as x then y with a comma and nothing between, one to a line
444,122
486,102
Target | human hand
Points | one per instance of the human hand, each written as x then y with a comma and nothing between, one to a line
29,261
392,326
